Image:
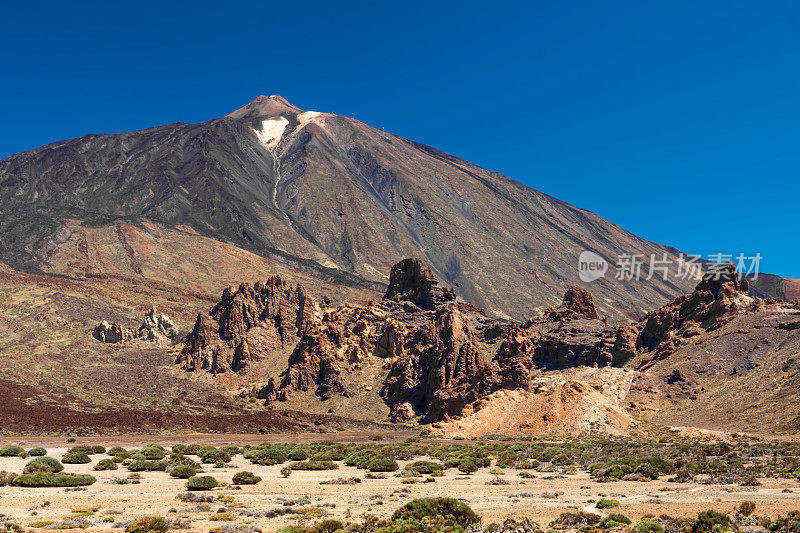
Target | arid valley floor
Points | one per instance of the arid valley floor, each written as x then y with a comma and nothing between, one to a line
539,494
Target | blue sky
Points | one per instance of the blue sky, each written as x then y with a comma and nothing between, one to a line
676,120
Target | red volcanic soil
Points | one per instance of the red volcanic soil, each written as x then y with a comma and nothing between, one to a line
36,417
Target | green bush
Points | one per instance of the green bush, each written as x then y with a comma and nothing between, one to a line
245,478
314,465
116,450
43,464
424,467
382,464
179,448
10,451
297,454
451,511
182,472
88,450
49,479
201,483
153,452
75,458
105,464
212,456
6,478
148,466
708,519
37,452
605,503
613,520
327,526
272,455
467,466
647,525
153,524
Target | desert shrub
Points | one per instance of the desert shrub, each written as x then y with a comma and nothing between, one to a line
746,508
105,464
577,520
613,520
43,464
10,451
193,449
6,478
784,524
647,525
451,511
327,526
245,478
424,467
37,452
708,519
201,483
297,454
605,503
87,449
50,479
467,466
272,455
182,471
176,459
153,452
212,455
231,450
148,466
179,448
10,527
286,471
115,450
75,458
152,524
382,464
314,465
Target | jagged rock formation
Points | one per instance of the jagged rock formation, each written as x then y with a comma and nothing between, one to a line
412,281
438,353
246,323
156,328
717,299
112,332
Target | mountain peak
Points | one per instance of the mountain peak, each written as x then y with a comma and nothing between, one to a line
265,106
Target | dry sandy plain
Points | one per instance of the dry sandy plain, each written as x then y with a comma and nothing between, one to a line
539,499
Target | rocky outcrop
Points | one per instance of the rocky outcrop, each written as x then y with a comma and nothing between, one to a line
581,302
111,332
411,280
717,299
156,328
247,323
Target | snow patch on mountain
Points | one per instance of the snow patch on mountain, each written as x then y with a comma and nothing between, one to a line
271,131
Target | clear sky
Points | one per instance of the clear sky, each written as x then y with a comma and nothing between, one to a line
679,121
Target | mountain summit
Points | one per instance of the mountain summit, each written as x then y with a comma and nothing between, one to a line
320,193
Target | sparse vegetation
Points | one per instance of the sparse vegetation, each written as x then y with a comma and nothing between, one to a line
201,483
49,479
245,478
43,464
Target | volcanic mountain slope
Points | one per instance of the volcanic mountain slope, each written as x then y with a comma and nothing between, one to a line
316,192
